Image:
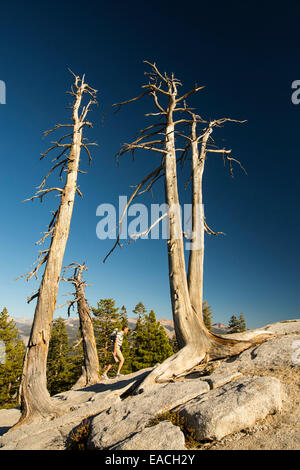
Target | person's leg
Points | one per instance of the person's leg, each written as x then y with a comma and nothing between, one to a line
113,360
107,369
121,357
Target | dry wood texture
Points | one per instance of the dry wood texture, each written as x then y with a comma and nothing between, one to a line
196,343
34,396
90,370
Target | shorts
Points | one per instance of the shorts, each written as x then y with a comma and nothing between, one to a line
118,354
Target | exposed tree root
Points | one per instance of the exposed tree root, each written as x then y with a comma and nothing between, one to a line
215,347
37,416
84,381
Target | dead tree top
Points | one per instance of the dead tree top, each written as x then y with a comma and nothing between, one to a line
76,280
163,89
62,160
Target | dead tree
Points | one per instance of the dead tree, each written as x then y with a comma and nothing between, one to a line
199,225
196,343
34,396
90,369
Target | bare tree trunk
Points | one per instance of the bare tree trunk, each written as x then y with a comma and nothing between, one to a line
35,398
196,343
196,258
90,370
189,327
178,284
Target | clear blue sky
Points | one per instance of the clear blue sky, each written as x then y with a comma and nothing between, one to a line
247,56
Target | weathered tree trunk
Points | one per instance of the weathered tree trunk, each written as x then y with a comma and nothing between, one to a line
90,370
189,328
196,343
178,284
35,398
196,258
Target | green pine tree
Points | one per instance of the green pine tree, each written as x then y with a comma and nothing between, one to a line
152,345
234,324
123,316
58,371
207,314
138,333
12,352
140,311
75,359
107,319
242,322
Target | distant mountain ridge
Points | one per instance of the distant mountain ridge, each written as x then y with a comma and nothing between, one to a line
72,325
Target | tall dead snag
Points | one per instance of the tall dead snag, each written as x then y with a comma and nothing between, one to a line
34,396
196,343
90,370
199,225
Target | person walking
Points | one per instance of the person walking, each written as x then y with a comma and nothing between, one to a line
117,355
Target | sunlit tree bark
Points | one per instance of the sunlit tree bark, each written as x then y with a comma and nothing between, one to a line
90,369
196,343
34,396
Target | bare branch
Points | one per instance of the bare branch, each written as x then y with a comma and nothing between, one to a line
119,105
150,177
41,193
79,192
152,88
76,280
137,235
75,345
34,272
88,152
57,145
129,147
85,110
53,219
210,231
230,159
154,114
58,126
69,302
42,240
180,121
219,122
194,90
156,71
33,296
78,268
223,151
63,162
160,124
159,107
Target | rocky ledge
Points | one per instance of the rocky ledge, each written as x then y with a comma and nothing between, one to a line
246,402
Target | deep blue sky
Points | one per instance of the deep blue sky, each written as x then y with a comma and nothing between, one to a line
247,56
